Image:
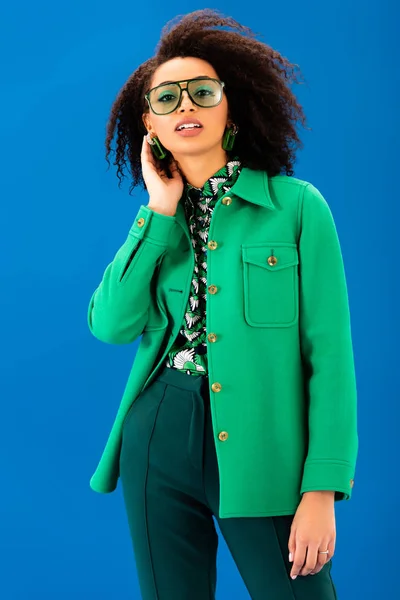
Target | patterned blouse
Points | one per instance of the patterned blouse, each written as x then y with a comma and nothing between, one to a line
189,351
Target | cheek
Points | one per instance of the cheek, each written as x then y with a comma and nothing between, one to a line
214,120
164,126
219,117
218,124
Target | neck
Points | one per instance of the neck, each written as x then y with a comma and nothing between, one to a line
197,168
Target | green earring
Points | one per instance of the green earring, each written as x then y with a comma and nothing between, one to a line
156,147
229,137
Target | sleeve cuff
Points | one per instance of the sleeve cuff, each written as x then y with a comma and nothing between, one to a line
328,475
152,226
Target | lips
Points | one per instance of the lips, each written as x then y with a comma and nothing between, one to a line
187,121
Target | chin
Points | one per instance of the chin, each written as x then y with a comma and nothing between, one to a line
191,146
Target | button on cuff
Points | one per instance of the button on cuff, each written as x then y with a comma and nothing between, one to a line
152,226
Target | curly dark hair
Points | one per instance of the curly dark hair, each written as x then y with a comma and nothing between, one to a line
257,81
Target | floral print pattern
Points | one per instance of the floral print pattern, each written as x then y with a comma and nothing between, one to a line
189,351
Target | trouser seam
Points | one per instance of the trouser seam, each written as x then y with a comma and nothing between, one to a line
145,495
205,442
210,564
283,560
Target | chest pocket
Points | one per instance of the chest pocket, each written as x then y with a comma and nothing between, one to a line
270,278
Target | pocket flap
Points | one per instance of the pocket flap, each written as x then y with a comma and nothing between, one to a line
271,255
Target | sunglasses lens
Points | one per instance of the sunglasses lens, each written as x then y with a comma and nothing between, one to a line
164,98
205,92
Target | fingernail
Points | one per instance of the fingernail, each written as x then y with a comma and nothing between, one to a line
293,576
290,557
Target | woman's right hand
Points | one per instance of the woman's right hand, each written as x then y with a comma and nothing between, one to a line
164,193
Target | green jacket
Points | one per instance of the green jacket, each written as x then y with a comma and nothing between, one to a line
277,300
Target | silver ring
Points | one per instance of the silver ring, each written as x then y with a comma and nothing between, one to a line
323,551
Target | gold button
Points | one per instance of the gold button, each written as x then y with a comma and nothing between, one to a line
212,337
140,222
351,482
272,260
212,289
216,387
212,244
227,200
223,436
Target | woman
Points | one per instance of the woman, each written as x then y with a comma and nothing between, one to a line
241,403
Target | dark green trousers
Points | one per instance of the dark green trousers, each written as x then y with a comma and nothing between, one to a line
170,482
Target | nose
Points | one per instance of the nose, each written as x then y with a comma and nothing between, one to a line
185,100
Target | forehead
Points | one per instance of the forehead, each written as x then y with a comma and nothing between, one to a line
179,69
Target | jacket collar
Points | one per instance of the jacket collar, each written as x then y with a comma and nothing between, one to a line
253,186
250,185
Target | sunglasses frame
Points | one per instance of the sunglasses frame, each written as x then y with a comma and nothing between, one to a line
181,89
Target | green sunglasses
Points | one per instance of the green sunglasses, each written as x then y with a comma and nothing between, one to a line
205,92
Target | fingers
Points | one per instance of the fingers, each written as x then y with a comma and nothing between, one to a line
307,560
322,559
148,159
146,151
150,166
299,557
311,565
174,170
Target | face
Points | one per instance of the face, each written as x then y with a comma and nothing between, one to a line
213,119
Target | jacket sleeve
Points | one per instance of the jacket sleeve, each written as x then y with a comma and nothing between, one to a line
327,352
118,308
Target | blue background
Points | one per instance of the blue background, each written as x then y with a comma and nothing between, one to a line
63,219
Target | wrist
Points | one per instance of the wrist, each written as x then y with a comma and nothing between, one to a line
328,494
161,209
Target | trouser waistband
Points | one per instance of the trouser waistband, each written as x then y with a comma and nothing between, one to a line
197,383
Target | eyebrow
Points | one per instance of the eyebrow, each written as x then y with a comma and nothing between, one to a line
198,77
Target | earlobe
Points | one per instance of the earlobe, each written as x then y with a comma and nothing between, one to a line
144,119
